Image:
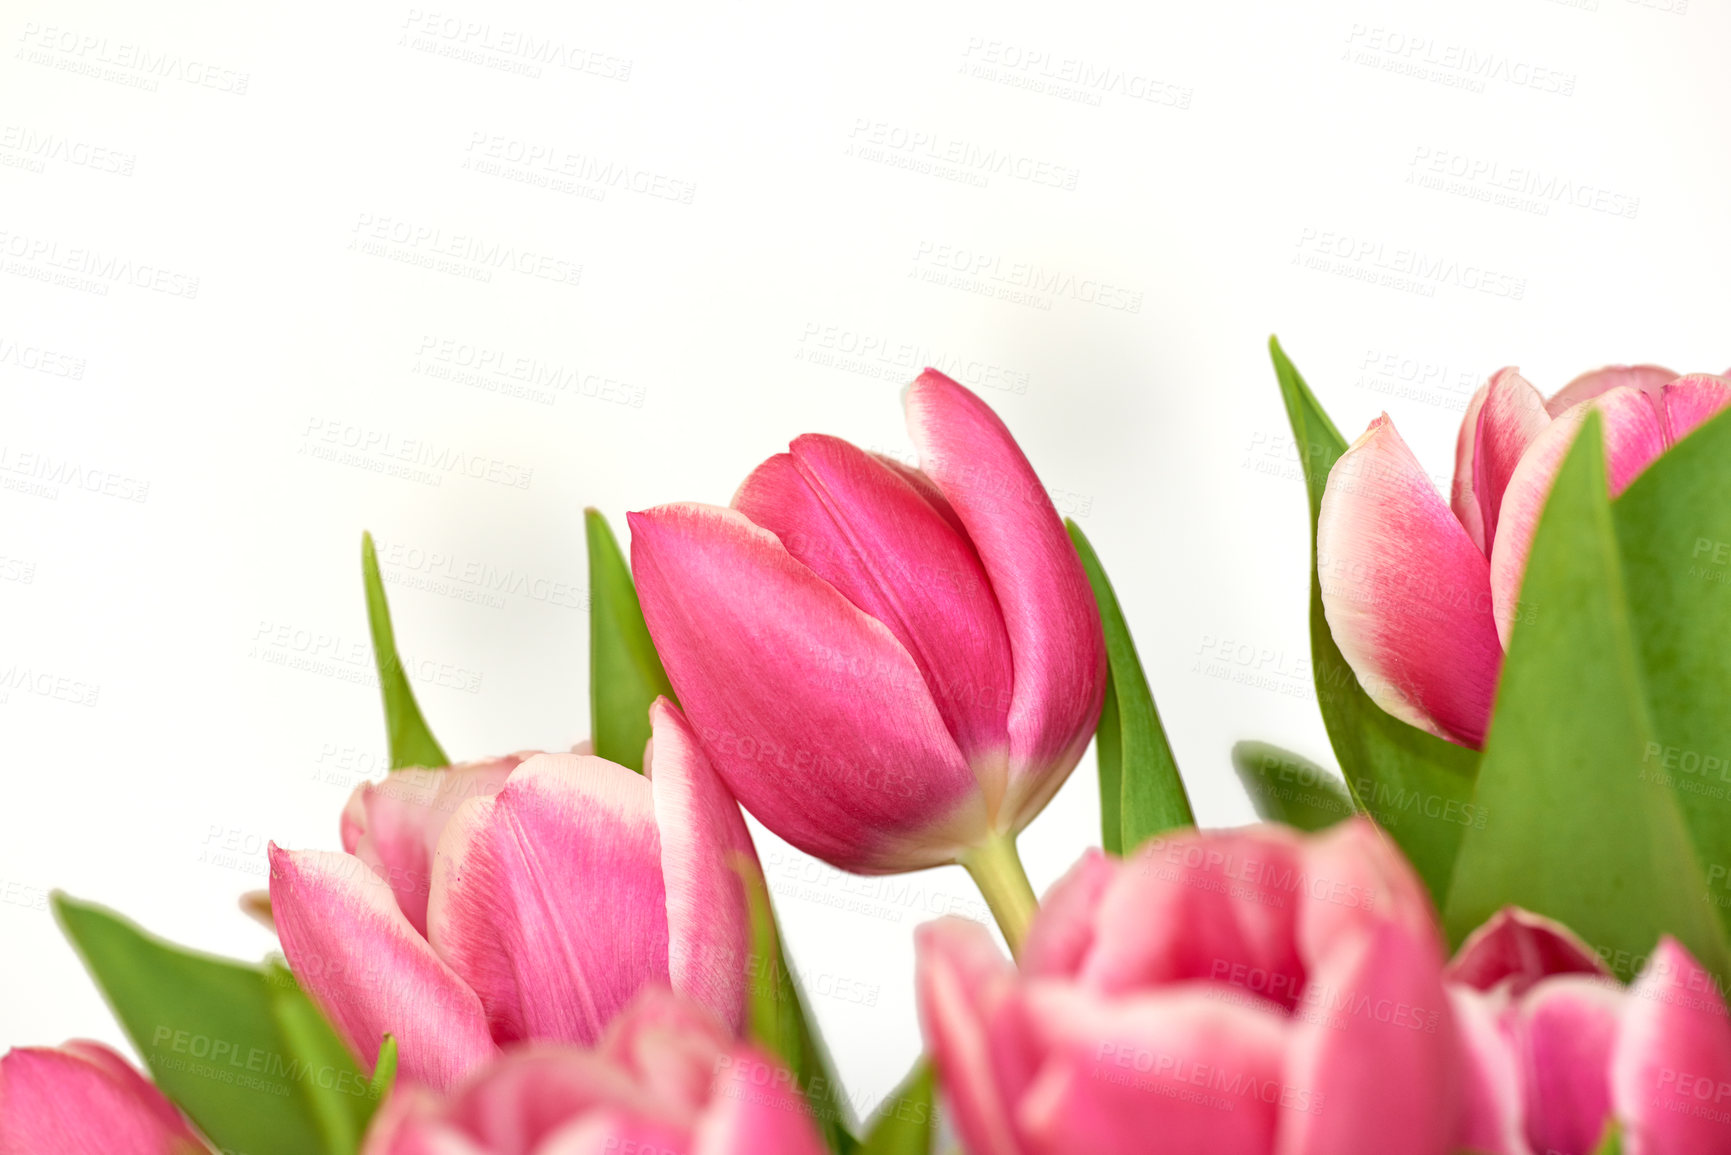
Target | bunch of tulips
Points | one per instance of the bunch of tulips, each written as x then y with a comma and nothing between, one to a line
895,668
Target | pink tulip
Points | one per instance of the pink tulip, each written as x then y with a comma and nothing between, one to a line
1244,992
1420,597
889,666
499,902
667,1079
83,1099
1558,1047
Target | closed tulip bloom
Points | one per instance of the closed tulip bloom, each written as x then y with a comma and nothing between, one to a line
1559,1048
666,1079
1422,594
1248,992
506,902
83,1099
891,667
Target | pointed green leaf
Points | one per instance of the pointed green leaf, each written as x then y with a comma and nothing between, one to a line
1130,742
1612,1142
903,1125
341,1097
1414,784
412,743
625,673
777,1019
211,1032
1287,788
1570,828
385,1070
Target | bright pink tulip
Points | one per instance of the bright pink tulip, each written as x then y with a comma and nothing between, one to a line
887,665
499,902
1558,1047
1244,992
667,1079
83,1099
1420,597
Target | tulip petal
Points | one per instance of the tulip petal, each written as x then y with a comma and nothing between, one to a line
368,969
1505,421
613,1132
1354,879
1634,437
1378,1045
670,1045
1220,906
962,980
1491,1083
754,1109
548,898
1056,643
1672,1065
83,1099
515,1105
1688,401
1404,589
1201,1073
704,845
810,710
865,530
1520,948
1648,379
1060,939
1567,1028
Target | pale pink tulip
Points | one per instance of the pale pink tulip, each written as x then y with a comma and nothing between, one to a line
1421,594
1558,1048
83,1099
667,1079
889,666
500,902
1248,992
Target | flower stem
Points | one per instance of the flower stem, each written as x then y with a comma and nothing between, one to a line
998,872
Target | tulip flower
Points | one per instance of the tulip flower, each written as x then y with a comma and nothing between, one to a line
1223,993
666,1079
1558,1048
892,668
83,1099
1421,595
505,902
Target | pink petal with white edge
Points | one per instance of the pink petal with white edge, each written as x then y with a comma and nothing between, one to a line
1648,379
615,1132
1200,1073
1406,590
1633,439
1355,880
754,1109
1671,1071
1056,643
1689,401
548,898
83,1099
1491,1075
1518,948
1061,937
1566,1029
1510,417
1463,498
1221,906
370,971
704,846
534,1093
813,714
962,980
864,529
1379,1049
670,1046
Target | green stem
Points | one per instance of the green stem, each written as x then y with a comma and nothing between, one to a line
998,872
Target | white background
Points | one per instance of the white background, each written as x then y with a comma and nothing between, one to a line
1410,194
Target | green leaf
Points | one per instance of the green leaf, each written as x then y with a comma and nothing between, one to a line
905,1121
1287,788
1412,783
212,1033
1569,827
385,1070
777,1019
625,673
1611,1143
341,1097
412,743
1136,763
